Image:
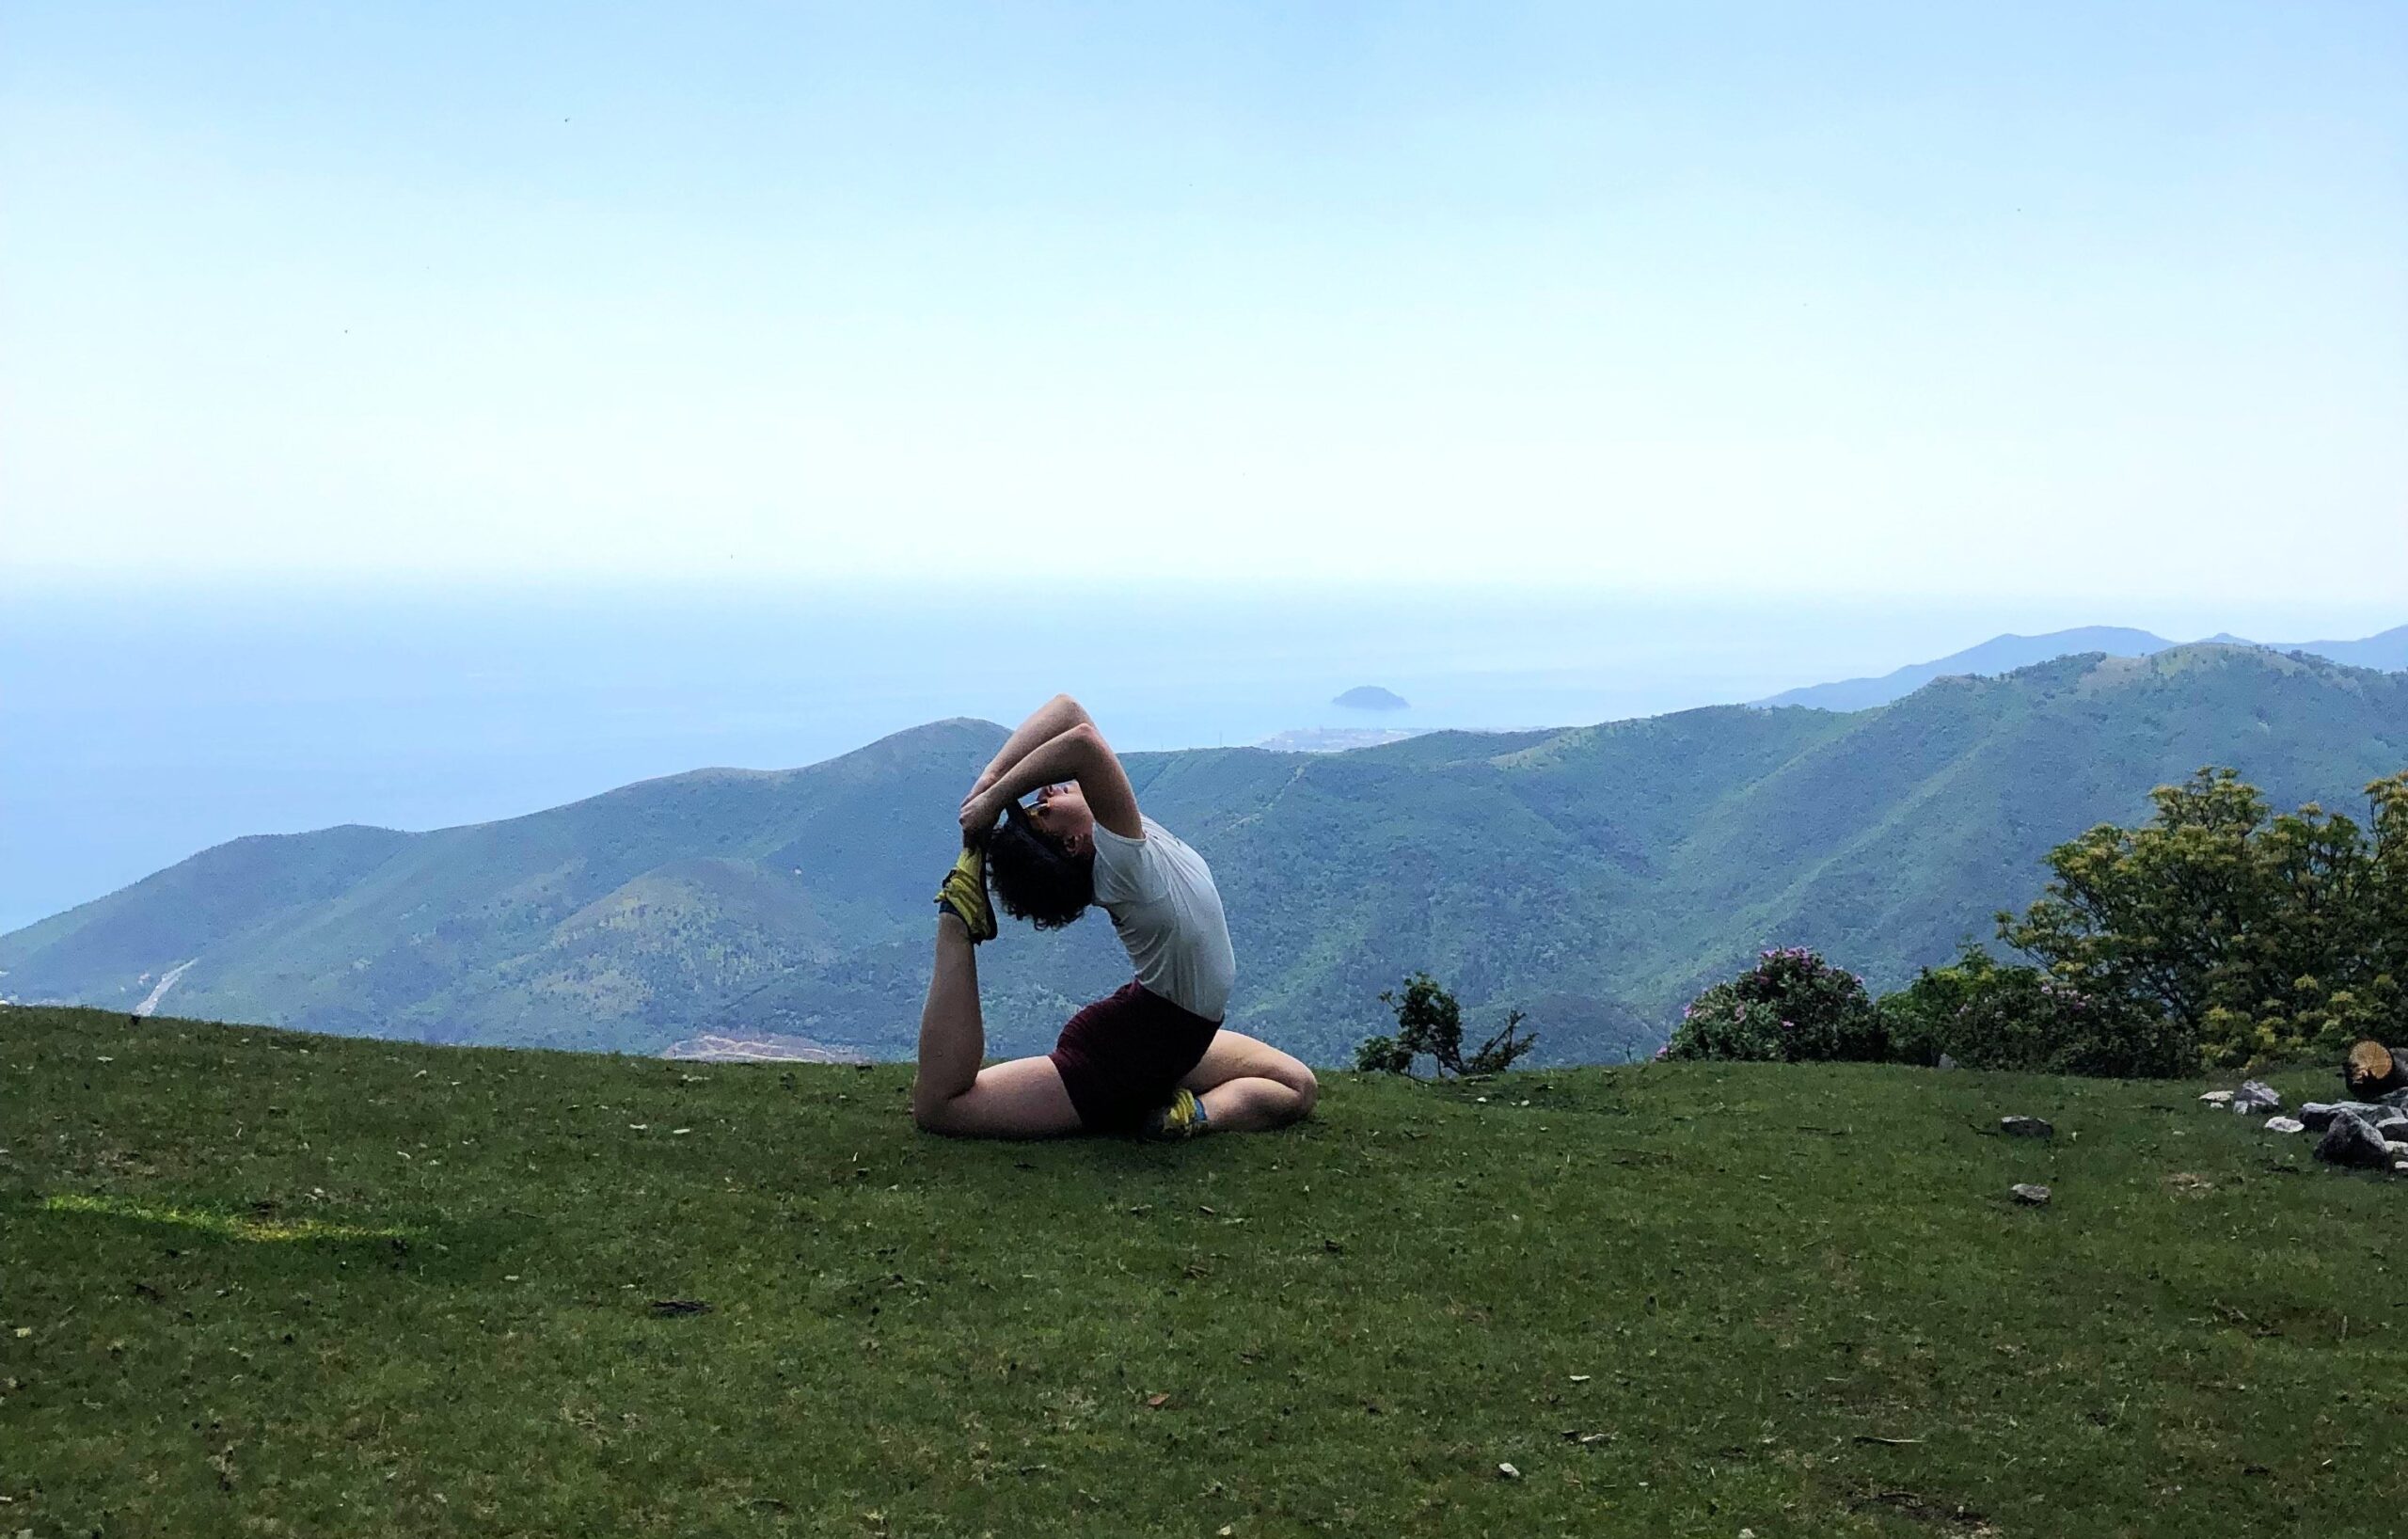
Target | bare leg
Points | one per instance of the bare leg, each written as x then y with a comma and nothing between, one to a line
1022,1099
953,1033
1248,1085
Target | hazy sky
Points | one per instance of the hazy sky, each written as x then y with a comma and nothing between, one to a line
2093,298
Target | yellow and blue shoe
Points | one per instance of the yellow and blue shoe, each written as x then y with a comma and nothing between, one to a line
1182,1118
965,892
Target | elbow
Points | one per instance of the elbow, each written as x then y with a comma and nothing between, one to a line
1082,742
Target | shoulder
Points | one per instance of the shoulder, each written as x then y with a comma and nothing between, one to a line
1127,868
1121,844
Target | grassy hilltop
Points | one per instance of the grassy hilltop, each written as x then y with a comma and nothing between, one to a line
258,1282
1596,877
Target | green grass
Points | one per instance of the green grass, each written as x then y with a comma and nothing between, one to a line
255,1282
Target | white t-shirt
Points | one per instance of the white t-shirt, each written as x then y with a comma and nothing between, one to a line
1160,897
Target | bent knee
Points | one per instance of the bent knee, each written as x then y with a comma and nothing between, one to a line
936,1116
1307,1089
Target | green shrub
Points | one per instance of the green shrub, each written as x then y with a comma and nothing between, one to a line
1986,1014
1791,1007
1430,1023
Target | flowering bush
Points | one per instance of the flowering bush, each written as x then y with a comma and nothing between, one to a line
1791,1007
1987,1015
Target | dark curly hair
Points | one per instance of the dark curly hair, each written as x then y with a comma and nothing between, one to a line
1034,877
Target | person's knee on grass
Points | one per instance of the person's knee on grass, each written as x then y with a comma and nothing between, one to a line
1308,1088
1262,1102
933,1113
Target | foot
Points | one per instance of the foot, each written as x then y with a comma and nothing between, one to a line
964,894
1182,1118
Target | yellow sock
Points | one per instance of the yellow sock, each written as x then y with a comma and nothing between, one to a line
964,890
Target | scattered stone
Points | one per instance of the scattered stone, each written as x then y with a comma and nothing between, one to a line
2319,1115
2030,1194
1947,1062
2026,1127
2397,1098
2217,1098
2285,1124
2255,1097
2351,1140
1507,1472
2396,1149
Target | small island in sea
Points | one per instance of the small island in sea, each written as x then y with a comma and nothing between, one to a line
1371,697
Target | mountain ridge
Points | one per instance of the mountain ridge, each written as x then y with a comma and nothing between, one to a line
2386,651
1607,870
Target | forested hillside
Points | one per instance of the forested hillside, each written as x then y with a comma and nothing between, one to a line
1595,876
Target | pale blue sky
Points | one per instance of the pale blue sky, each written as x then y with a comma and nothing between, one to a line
2084,300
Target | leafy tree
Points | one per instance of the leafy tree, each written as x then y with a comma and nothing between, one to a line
2387,803
1791,1007
1986,1014
2249,935
1429,1023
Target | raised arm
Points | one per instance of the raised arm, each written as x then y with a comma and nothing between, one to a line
1047,722
1080,755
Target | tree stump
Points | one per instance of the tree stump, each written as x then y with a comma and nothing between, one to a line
2373,1070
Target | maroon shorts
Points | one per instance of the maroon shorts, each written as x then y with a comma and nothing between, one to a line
1124,1055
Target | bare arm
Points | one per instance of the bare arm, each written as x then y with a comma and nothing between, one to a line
1080,754
1047,722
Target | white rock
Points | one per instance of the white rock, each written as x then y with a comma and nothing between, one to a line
1509,1471
2216,1097
2029,1195
2285,1124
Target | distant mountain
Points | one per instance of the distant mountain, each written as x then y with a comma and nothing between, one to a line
1999,655
1596,876
2387,651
